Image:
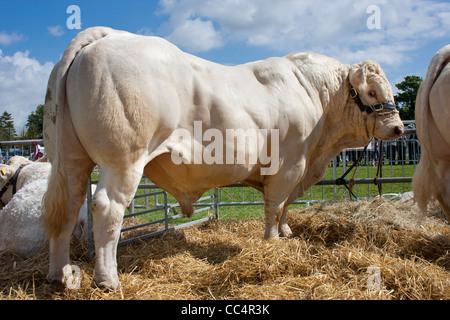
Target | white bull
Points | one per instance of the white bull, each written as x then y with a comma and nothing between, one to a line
124,101
431,179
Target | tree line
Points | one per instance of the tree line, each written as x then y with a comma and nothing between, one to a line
33,128
405,99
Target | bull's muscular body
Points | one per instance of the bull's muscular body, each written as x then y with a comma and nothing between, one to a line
115,100
432,177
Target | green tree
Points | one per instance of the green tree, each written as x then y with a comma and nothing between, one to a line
34,126
7,130
406,98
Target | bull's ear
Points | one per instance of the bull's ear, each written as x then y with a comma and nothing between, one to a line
358,74
3,172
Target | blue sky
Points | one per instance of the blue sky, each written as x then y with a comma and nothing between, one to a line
34,34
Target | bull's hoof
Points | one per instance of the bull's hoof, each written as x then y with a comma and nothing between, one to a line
270,237
285,232
105,283
104,286
56,283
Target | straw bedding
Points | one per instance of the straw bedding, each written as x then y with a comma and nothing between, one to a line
334,248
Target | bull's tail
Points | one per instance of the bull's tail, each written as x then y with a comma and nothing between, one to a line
56,199
424,184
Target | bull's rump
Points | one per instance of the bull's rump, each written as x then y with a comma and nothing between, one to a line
433,108
127,94
432,116
114,100
440,106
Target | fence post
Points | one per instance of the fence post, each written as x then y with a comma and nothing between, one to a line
335,176
166,212
216,203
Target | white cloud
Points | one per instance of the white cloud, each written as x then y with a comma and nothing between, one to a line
7,39
335,28
186,29
23,83
145,31
56,31
196,35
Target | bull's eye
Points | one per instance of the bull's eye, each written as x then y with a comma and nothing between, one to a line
372,94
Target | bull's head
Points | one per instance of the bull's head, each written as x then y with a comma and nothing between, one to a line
6,173
371,91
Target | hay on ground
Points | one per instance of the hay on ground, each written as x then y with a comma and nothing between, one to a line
374,249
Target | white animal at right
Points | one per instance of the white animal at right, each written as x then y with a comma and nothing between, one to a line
431,179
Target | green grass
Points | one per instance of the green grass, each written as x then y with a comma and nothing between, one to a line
247,194
322,192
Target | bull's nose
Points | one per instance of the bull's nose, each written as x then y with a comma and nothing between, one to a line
399,130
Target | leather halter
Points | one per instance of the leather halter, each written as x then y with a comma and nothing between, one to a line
390,105
11,183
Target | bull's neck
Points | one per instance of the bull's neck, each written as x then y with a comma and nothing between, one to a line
343,123
325,79
340,125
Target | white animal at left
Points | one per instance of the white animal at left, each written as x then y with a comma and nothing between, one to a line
21,219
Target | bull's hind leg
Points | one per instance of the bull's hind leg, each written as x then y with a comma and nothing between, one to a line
77,175
115,191
444,187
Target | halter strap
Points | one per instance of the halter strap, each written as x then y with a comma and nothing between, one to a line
390,105
11,182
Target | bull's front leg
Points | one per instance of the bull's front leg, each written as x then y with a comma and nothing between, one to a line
283,227
444,187
273,211
279,192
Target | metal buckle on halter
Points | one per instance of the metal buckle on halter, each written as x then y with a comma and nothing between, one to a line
369,109
386,105
377,107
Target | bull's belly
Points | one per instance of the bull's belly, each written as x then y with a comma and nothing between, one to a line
191,181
